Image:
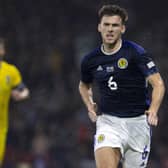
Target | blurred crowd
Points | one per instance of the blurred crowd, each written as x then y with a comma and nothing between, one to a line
46,40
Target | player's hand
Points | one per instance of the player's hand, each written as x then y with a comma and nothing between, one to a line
92,109
152,118
20,95
15,94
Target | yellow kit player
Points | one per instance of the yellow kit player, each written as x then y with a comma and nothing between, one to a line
11,85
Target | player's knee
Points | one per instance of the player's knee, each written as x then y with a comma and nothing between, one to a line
107,158
107,164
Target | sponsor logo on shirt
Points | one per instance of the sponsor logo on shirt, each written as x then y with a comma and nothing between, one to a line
109,69
99,68
150,64
122,63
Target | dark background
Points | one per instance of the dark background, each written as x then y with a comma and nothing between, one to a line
46,40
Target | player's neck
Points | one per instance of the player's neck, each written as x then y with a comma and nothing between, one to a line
110,49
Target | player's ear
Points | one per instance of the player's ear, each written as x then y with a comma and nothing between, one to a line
123,29
99,28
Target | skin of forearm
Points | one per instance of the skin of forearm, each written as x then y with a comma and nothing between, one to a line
86,94
90,95
157,96
20,95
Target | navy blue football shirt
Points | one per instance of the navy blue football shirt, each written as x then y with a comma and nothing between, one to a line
121,79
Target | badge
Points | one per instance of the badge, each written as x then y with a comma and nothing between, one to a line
101,138
122,63
7,80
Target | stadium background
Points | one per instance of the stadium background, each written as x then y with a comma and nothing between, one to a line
46,40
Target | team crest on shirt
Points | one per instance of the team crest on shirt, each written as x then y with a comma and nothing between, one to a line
7,80
122,63
100,138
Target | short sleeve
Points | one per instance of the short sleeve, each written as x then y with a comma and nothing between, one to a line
16,77
86,75
145,64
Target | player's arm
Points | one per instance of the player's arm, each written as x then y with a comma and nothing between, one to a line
150,71
157,95
20,92
86,93
87,97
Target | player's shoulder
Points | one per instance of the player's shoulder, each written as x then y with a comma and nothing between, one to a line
134,47
95,52
8,66
92,53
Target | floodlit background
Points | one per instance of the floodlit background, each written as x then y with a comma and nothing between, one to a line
46,40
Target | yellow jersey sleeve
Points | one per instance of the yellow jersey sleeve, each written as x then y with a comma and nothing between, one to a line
16,77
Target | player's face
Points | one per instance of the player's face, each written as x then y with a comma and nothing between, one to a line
2,51
111,29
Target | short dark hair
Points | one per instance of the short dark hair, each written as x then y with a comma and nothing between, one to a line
111,10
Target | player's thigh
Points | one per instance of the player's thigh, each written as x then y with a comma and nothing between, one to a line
2,145
107,157
135,159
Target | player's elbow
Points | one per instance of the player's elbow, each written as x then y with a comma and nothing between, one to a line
160,86
83,87
157,82
80,86
163,86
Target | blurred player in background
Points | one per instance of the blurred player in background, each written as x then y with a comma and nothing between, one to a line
121,69
11,85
